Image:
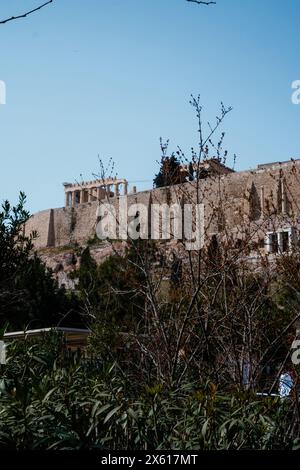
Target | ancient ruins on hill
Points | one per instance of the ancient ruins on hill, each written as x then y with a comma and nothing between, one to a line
264,201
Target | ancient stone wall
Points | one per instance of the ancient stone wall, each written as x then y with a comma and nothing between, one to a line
42,222
244,197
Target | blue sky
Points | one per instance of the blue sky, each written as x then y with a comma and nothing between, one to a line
109,77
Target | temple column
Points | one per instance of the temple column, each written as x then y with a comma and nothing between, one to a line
99,193
90,192
67,199
116,189
81,194
73,198
125,188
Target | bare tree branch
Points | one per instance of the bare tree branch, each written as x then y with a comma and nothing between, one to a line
201,2
24,15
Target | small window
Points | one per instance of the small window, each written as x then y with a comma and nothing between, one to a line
285,241
273,243
281,241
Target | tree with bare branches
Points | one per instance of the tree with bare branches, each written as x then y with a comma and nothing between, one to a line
199,2
27,13
208,314
24,15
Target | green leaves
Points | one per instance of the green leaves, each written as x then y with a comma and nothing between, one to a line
3,330
111,413
54,402
28,292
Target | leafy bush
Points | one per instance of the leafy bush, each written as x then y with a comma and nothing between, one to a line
28,292
51,400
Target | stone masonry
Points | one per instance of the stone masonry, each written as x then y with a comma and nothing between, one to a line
266,200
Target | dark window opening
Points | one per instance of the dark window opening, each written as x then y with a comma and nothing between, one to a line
273,243
285,241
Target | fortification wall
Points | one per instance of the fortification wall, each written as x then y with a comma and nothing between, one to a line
84,222
62,226
238,192
74,225
42,223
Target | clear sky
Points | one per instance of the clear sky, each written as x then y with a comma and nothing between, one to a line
109,77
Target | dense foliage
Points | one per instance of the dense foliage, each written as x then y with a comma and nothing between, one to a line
28,292
49,400
175,361
170,172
